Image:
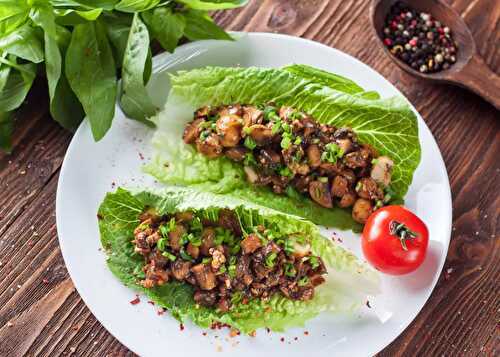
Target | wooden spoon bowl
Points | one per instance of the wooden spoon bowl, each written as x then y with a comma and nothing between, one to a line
469,71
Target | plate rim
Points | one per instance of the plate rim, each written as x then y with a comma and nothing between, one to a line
238,34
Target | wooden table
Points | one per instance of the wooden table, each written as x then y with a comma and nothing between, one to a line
41,314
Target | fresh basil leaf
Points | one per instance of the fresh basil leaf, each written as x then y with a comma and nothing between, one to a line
135,101
65,108
199,27
44,17
63,37
25,43
165,26
71,17
6,129
86,4
4,75
90,70
118,28
136,5
13,13
213,4
18,83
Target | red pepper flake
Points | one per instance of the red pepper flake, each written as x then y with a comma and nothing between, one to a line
100,217
368,304
181,327
113,184
161,311
253,333
136,300
141,156
151,302
204,333
268,330
306,333
282,339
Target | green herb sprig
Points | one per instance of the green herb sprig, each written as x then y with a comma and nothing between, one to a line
82,47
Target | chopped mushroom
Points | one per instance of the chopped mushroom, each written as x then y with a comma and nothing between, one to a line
320,193
250,244
210,147
180,269
382,170
261,134
347,200
207,240
229,128
175,236
369,189
237,153
314,155
340,186
192,131
204,275
361,210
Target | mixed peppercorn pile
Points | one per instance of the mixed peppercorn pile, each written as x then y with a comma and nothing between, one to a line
290,152
222,262
418,39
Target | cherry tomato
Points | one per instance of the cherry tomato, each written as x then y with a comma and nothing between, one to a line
395,240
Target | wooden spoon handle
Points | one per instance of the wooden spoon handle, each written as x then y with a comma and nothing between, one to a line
478,77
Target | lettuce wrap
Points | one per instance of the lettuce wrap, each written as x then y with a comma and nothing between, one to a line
389,125
348,280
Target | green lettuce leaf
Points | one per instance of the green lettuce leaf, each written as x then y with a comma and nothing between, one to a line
349,280
387,124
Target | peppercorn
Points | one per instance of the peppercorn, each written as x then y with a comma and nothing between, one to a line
418,39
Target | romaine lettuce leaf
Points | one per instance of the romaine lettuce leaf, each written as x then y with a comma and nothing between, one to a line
349,280
387,124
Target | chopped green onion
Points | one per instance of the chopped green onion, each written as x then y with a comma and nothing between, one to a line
303,281
323,179
286,141
235,249
232,260
186,256
289,246
161,244
231,270
195,225
222,269
314,262
332,153
247,130
359,186
316,141
249,159
169,255
290,270
297,140
270,259
374,161
250,143
276,127
194,239
206,260
292,193
285,171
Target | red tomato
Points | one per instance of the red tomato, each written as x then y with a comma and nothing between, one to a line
395,240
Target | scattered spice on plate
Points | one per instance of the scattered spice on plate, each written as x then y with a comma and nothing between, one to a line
306,333
418,39
136,300
282,339
181,327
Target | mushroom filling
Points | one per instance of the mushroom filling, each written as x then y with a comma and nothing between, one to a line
223,262
290,152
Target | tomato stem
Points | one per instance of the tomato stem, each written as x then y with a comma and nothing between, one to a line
402,232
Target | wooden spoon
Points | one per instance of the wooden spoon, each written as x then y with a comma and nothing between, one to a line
470,71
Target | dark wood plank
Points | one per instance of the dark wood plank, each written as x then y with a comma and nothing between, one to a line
41,314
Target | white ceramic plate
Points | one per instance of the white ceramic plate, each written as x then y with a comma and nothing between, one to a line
92,169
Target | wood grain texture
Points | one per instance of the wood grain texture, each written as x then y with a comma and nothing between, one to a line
41,314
